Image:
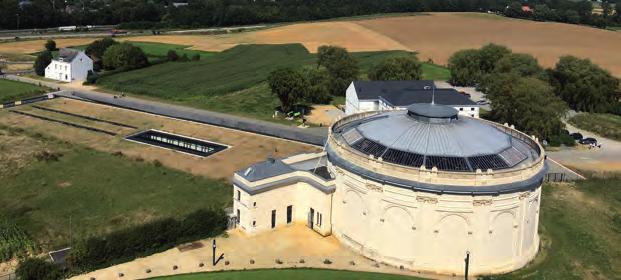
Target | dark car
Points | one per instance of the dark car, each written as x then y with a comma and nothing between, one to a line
576,136
588,141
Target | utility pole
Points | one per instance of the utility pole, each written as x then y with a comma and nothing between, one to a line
467,262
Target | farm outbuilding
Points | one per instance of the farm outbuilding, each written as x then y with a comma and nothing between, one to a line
421,188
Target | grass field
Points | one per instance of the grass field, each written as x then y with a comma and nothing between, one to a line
12,90
580,231
607,125
233,81
55,188
301,274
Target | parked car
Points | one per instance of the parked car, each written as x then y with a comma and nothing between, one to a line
577,136
482,102
588,141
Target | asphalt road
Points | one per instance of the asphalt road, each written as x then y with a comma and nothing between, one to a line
606,158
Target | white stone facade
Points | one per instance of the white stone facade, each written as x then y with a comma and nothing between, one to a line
418,229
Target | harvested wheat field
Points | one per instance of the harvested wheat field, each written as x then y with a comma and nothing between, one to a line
245,148
434,36
33,46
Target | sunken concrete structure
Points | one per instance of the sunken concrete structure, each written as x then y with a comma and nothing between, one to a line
419,188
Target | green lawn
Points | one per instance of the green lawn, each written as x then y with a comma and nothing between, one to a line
96,191
160,50
298,274
12,91
233,81
580,228
607,125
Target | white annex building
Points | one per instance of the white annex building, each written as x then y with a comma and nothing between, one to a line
366,96
419,188
69,65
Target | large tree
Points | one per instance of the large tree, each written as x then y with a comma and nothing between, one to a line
523,64
464,67
288,85
50,45
528,103
317,91
342,68
397,68
97,48
489,55
584,85
124,56
43,60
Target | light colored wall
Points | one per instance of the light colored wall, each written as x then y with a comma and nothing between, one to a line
301,195
430,232
351,100
57,70
80,67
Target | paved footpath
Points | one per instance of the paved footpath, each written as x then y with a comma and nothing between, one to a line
314,136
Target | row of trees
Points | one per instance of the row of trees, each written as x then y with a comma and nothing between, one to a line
534,99
160,13
106,53
575,12
334,71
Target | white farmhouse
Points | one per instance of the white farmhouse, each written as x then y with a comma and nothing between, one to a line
365,96
69,65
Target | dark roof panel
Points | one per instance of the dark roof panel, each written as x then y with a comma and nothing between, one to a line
405,93
67,55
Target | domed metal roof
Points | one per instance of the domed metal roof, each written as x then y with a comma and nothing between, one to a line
434,136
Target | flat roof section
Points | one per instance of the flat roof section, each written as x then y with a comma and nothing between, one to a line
184,144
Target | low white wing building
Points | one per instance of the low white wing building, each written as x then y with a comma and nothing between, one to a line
69,65
367,96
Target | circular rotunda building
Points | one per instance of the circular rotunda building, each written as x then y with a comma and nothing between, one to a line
424,187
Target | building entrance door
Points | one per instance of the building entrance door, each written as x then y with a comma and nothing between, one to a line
311,219
273,218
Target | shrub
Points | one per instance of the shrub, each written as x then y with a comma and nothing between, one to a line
196,57
172,55
37,269
14,242
91,78
184,58
145,239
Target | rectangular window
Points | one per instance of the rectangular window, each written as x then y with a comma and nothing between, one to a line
254,223
461,109
273,218
471,109
238,195
289,214
317,220
238,216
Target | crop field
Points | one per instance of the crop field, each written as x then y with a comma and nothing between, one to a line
12,90
233,81
434,36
